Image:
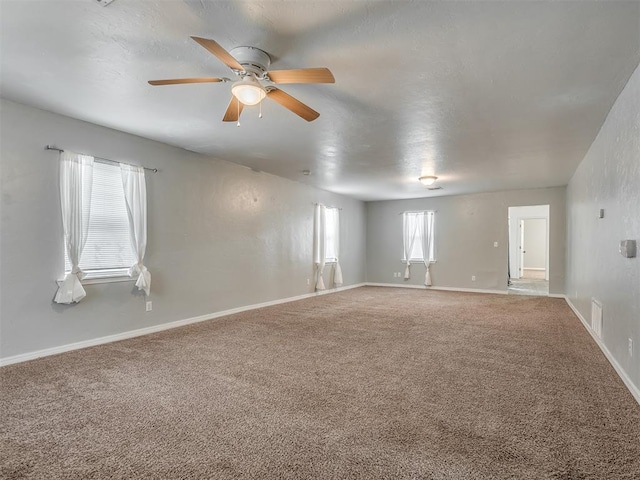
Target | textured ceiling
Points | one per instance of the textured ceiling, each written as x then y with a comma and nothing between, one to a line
486,95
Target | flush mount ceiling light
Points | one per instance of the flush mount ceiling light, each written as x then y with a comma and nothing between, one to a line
249,91
427,180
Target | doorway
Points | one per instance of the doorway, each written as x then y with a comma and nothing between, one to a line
528,250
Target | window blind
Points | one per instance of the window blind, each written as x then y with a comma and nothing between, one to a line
108,247
416,223
331,223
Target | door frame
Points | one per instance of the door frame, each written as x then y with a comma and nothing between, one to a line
514,217
521,246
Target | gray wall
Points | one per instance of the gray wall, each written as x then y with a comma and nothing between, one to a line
220,235
609,178
466,228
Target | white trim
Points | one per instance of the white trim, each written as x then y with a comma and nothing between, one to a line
470,290
23,357
97,280
536,268
396,285
448,289
635,391
458,289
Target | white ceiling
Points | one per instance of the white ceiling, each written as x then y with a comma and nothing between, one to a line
486,95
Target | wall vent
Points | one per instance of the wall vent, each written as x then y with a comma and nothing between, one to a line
596,317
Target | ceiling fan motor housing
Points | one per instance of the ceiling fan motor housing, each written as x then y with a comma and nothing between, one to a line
253,60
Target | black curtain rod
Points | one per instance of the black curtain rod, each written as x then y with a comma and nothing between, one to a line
418,211
51,147
328,206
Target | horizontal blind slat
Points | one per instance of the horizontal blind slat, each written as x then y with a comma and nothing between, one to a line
108,243
330,233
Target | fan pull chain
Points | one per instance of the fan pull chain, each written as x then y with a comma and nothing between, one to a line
238,105
260,114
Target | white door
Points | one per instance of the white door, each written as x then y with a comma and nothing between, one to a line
521,250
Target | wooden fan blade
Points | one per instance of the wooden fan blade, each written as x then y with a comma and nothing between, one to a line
219,52
302,75
296,106
233,110
178,81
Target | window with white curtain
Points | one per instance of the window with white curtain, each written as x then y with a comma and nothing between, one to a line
415,222
107,252
331,233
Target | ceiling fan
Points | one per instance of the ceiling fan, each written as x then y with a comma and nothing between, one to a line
256,80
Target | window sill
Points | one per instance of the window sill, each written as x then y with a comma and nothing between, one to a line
418,260
93,280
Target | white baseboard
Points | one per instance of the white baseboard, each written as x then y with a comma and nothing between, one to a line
24,357
635,391
449,289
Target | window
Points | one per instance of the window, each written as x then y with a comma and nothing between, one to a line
107,252
331,234
414,225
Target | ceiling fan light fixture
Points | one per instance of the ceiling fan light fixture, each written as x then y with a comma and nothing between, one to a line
248,91
427,180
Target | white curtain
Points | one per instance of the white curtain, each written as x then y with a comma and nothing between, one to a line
319,247
410,232
135,194
337,270
76,179
427,239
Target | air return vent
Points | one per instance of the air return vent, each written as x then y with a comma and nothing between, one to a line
596,317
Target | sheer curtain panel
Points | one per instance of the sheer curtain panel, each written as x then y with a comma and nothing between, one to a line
76,178
135,195
427,244
410,226
337,270
319,245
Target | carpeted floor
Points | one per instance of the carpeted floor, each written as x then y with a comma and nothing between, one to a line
367,383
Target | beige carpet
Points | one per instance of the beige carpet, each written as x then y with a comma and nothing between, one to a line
367,383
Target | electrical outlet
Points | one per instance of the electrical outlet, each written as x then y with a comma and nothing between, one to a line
149,306
473,278
308,281
631,347
495,244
